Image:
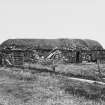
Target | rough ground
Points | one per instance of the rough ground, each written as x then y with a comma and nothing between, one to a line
24,88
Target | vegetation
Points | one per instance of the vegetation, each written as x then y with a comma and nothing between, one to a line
22,87
87,71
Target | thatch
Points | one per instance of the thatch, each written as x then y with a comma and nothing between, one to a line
53,43
92,44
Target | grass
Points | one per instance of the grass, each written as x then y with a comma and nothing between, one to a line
87,71
19,87
79,88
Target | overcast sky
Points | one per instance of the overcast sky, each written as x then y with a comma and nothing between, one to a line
52,19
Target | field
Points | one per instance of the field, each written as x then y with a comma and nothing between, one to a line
86,71
25,87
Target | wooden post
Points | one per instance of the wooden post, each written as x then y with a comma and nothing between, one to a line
99,69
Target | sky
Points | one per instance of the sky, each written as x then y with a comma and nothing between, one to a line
84,19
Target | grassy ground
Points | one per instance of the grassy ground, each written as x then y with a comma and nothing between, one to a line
87,71
19,87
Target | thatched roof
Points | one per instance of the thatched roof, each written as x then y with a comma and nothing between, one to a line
52,43
92,44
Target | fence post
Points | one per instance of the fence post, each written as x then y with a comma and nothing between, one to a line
99,69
